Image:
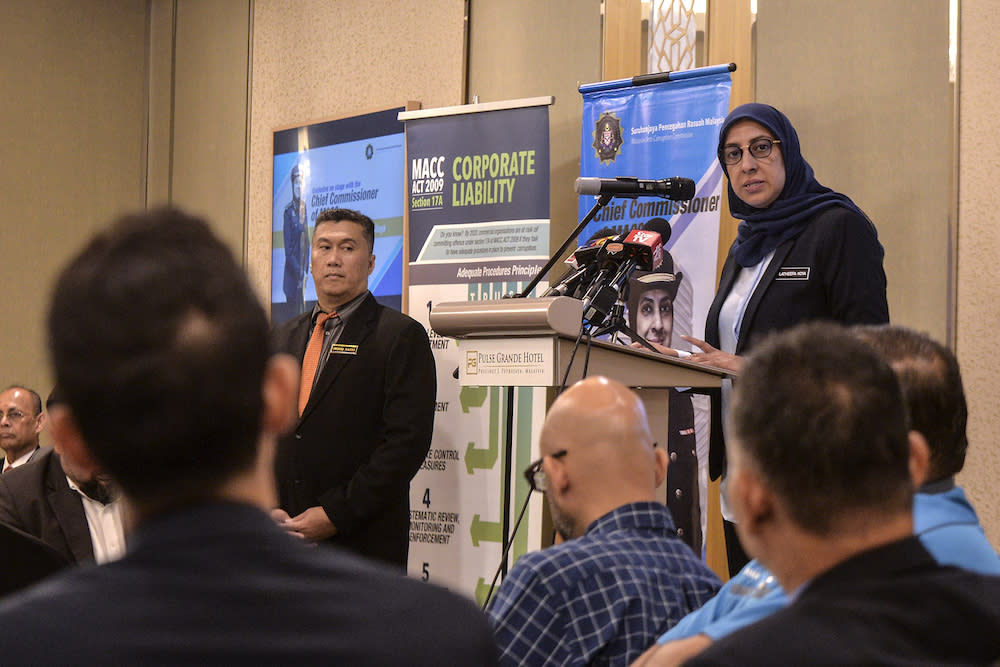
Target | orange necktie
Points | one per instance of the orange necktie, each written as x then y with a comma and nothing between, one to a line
310,361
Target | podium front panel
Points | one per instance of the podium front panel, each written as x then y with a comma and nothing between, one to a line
541,361
510,361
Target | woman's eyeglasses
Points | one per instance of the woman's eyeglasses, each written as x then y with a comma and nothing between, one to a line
759,148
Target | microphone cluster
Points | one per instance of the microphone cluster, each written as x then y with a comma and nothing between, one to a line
600,269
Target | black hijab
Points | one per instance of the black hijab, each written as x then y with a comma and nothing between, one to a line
764,229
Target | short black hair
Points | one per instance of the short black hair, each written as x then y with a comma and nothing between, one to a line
350,215
820,416
55,398
159,347
932,388
36,400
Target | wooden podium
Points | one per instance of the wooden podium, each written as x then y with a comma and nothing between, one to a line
533,342
530,343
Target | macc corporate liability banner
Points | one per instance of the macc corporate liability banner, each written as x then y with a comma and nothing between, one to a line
478,200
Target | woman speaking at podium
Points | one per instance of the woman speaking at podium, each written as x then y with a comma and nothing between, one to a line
802,252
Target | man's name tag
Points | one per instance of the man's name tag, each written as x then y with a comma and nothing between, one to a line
338,348
793,273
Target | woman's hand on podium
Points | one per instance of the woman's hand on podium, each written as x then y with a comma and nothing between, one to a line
662,349
712,356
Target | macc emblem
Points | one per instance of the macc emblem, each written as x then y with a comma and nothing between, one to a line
607,137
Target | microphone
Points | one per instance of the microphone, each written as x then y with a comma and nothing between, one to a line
677,188
582,261
582,265
641,249
646,249
661,227
567,284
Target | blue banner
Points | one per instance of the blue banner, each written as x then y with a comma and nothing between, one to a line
354,163
657,131
653,131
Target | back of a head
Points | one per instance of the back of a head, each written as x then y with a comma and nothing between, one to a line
159,348
603,422
820,416
932,388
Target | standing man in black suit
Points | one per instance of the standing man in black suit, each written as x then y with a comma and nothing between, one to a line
366,403
21,422
185,414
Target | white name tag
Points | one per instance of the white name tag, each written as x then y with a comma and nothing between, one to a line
793,273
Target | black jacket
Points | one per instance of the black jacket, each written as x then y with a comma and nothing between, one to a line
36,498
365,431
831,271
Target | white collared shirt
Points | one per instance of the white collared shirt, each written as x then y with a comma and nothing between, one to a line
105,523
18,461
730,321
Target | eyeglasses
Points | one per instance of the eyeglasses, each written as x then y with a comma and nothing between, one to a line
13,416
759,148
536,476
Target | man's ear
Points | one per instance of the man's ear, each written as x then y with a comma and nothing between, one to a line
40,424
67,439
280,391
751,498
660,463
557,474
920,458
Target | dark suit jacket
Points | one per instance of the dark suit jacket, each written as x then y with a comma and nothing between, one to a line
221,584
34,455
831,271
24,559
36,498
892,605
365,431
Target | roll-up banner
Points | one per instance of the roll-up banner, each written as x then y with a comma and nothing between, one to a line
478,201
657,127
354,162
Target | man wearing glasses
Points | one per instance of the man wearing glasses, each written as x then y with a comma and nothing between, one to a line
622,574
21,420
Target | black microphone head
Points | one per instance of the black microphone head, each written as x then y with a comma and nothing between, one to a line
602,233
660,226
685,189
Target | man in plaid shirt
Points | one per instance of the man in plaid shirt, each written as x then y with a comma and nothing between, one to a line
622,577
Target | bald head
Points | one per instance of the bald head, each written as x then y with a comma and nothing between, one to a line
599,412
21,421
610,457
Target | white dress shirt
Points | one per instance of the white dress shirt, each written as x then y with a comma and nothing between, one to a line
105,523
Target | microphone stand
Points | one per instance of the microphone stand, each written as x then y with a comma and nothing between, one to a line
508,536
602,201
615,324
